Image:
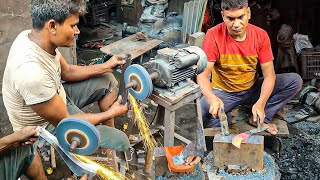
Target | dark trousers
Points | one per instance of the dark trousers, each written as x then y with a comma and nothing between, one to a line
287,85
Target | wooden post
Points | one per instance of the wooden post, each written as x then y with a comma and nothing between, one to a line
53,158
149,160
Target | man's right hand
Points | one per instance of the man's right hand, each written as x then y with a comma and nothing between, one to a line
117,108
215,104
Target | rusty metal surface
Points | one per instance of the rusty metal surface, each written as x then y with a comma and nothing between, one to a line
250,154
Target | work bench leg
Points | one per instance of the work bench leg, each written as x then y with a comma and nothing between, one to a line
199,114
169,121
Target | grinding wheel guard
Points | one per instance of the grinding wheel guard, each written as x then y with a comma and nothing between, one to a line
85,132
138,74
76,166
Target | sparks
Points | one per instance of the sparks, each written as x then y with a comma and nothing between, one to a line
143,126
102,171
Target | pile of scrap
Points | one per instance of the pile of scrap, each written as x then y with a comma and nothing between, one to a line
310,99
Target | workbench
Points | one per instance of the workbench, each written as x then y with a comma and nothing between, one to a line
127,46
169,104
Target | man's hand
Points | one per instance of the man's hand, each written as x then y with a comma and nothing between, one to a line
84,177
25,137
215,104
258,110
117,108
192,160
115,61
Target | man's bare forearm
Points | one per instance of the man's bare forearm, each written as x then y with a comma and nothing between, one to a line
96,118
205,86
79,73
266,90
7,141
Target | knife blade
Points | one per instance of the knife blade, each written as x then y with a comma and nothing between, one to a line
238,139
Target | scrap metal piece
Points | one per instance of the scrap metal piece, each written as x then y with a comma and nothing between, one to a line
197,148
76,166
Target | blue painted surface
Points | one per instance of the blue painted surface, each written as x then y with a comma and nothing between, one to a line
197,174
144,78
78,124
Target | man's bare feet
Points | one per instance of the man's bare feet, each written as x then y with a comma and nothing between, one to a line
272,127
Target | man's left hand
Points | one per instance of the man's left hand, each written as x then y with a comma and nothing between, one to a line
258,110
114,61
192,160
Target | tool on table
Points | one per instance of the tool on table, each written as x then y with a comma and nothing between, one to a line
223,122
238,139
74,135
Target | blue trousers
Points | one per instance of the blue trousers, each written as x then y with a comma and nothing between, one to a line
287,85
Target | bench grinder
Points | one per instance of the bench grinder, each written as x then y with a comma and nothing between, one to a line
169,70
74,135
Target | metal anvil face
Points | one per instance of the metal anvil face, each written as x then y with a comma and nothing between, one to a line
250,154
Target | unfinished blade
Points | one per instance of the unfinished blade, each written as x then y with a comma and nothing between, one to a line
238,139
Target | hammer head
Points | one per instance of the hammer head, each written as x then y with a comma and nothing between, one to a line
223,122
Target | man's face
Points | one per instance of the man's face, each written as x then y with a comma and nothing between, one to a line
66,31
236,21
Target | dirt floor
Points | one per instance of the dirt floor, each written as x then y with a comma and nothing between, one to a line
300,158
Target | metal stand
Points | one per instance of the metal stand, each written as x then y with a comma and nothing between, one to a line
168,104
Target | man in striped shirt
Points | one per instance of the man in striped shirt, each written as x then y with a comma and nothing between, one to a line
234,49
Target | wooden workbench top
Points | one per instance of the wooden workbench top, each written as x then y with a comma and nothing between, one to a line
127,46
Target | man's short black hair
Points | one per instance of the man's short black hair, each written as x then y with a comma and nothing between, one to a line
233,4
44,10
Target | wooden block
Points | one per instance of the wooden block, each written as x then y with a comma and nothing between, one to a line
282,126
149,161
250,154
196,39
53,158
279,120
233,129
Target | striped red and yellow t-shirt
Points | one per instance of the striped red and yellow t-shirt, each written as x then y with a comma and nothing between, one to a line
235,67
